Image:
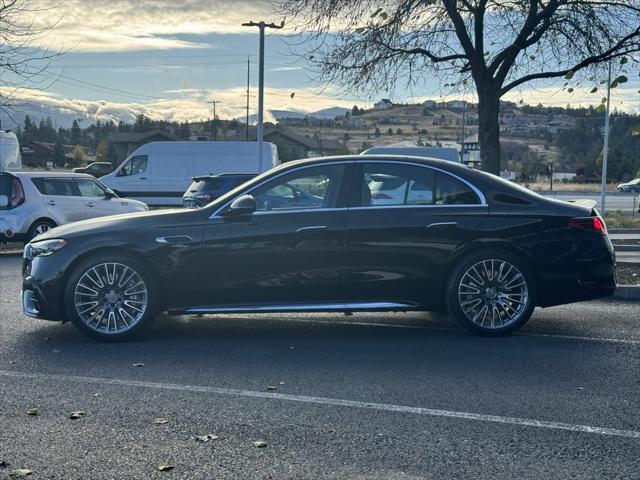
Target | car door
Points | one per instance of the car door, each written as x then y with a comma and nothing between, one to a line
61,198
95,199
289,252
134,179
398,247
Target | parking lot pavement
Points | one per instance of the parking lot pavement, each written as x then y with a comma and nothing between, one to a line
380,396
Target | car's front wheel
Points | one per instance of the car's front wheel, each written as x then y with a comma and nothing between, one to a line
491,293
111,297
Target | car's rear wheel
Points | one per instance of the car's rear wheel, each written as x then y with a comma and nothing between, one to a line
39,227
111,297
491,293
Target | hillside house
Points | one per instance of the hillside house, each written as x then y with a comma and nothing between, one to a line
383,104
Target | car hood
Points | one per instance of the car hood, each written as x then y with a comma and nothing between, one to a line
137,220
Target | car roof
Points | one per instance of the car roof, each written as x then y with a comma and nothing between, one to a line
50,175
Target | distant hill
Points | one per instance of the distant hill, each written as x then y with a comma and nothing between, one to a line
324,114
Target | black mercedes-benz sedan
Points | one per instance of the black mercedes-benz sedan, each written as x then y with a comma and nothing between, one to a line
384,233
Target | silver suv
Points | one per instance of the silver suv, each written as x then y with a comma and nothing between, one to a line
33,202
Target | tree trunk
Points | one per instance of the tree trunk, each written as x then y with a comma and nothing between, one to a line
489,130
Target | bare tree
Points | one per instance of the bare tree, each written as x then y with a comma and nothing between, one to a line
496,45
24,54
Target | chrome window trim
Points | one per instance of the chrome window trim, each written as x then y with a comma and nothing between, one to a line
302,307
476,190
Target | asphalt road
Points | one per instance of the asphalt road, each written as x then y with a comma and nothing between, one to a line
622,201
376,396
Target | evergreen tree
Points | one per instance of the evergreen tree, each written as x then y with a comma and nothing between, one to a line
58,154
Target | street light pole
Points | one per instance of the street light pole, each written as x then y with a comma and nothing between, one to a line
605,149
261,25
214,124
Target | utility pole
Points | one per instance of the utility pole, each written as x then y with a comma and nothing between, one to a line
261,25
214,122
464,120
605,149
247,125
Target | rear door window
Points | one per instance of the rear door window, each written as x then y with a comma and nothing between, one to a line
55,186
403,184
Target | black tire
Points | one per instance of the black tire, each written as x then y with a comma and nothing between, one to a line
94,266
38,227
518,303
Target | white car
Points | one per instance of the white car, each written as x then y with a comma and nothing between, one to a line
33,202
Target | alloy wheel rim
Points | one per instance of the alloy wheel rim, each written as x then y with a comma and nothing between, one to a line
40,229
493,294
110,298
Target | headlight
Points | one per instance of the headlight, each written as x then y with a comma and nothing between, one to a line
43,248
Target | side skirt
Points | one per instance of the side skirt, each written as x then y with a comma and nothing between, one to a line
315,307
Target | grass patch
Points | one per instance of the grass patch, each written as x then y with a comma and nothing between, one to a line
618,219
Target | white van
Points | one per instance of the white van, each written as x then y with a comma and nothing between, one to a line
158,173
10,158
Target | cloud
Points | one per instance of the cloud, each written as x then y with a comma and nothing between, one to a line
183,104
126,25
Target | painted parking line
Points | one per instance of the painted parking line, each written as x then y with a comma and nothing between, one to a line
336,402
624,341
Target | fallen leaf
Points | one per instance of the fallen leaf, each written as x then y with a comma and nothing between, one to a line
138,364
33,411
46,339
160,421
165,467
77,414
20,472
293,94
11,362
260,443
205,438
281,383
580,388
97,395
55,350
271,387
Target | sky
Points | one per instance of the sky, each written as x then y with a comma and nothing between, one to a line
168,59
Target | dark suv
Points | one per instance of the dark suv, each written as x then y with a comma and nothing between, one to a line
97,169
207,188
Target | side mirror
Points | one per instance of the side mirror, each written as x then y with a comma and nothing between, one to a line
244,205
4,201
110,193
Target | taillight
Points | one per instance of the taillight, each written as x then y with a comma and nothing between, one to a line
590,224
17,193
203,197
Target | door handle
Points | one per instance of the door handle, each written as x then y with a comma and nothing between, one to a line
312,228
51,202
143,178
443,225
175,239
90,204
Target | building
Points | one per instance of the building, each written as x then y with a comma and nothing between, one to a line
383,104
471,151
293,146
127,143
429,104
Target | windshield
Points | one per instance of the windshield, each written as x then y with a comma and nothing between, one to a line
205,185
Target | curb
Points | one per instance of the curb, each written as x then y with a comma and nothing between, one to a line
627,248
627,292
628,231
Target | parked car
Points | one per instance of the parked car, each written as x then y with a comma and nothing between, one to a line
205,189
479,247
33,202
96,169
632,186
158,173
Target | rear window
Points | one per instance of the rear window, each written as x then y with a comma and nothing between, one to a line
206,185
6,185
